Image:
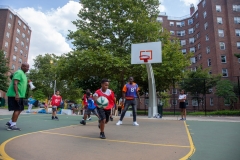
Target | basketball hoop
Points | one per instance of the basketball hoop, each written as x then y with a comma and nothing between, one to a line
145,58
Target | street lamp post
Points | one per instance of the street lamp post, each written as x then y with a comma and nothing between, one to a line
55,82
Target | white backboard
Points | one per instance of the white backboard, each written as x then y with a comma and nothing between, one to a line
151,49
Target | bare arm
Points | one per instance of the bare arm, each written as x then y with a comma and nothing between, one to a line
15,85
123,96
139,97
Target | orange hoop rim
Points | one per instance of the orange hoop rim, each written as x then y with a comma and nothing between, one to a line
145,58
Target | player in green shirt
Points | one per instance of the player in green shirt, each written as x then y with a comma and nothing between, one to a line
16,92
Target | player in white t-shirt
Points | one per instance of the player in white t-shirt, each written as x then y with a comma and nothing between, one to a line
182,105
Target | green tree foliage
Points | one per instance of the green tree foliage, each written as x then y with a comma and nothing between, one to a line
225,89
3,72
105,31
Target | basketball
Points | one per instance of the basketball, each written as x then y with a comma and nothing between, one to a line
102,102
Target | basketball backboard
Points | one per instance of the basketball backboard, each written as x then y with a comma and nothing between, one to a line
143,53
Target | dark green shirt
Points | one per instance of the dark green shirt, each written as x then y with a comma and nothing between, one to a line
22,84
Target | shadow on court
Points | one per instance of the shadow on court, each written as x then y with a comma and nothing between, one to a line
42,138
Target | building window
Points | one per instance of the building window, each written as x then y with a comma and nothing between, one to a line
195,102
23,35
174,102
199,45
183,42
197,25
208,50
223,59
238,60
28,31
190,21
174,91
27,39
18,31
237,32
218,8
6,44
209,62
17,40
224,72
207,38
24,27
196,59
10,16
19,23
196,16
171,23
178,24
26,47
182,23
210,72
204,14
7,34
236,8
172,32
237,20
15,48
222,45
159,19
184,51
190,31
20,60
219,20
192,49
205,26
21,52
9,25
13,67
198,35
22,43
14,58
25,55
191,40
211,101
181,33
220,33
203,3
238,45
199,56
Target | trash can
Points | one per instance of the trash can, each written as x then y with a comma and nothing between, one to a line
2,102
160,110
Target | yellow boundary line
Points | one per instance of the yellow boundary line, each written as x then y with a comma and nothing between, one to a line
119,141
192,147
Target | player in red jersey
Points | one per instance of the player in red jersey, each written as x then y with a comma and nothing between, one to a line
85,105
104,114
55,102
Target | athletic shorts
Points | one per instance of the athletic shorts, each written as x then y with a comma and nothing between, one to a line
14,105
104,114
182,105
94,111
54,108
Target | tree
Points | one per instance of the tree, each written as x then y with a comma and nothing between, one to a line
199,83
225,89
3,72
105,31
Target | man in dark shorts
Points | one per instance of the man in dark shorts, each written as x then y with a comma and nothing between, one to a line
16,92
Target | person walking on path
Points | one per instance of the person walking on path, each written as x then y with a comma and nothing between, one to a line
130,95
55,102
31,101
182,104
16,92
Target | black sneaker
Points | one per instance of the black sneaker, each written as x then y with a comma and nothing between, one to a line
13,128
111,119
52,118
102,135
56,118
8,124
83,122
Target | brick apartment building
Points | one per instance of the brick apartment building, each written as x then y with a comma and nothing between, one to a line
14,39
212,33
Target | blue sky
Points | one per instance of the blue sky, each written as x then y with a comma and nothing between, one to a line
50,21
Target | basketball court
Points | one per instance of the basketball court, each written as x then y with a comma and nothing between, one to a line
43,138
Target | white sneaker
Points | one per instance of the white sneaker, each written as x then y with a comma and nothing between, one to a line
135,124
89,119
119,123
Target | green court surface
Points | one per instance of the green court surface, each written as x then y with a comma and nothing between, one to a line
215,140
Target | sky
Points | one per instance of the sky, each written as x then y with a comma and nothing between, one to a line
50,21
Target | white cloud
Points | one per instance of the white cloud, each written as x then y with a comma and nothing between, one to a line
188,2
49,29
161,7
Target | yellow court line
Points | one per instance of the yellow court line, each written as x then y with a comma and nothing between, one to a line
5,156
192,147
119,141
